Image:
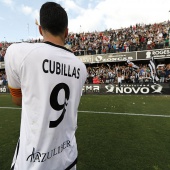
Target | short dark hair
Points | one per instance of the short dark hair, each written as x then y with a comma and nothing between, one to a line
53,18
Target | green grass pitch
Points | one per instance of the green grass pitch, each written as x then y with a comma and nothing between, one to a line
115,132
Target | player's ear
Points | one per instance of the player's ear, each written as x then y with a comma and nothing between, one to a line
66,32
40,29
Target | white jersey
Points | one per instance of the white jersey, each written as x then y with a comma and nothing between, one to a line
132,64
51,80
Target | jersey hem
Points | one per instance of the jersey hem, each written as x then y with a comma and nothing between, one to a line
73,164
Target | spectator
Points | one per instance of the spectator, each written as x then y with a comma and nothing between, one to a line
161,74
96,80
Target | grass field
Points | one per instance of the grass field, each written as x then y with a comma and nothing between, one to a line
114,132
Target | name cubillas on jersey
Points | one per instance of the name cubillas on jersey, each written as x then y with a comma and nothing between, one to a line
54,67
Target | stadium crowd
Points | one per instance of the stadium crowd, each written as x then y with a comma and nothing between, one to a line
3,48
134,38
3,78
116,73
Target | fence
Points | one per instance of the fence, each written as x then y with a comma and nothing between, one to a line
127,89
131,48
4,89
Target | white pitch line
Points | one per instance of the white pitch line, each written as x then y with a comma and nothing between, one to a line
10,108
112,113
129,114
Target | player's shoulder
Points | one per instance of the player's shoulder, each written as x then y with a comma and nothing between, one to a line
79,62
19,51
23,46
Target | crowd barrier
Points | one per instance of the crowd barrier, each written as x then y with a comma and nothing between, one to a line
115,89
4,89
133,56
128,89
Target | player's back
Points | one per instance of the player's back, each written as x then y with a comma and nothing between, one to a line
51,80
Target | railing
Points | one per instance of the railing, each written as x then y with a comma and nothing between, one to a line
131,48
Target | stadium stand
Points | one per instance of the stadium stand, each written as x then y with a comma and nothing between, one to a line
134,38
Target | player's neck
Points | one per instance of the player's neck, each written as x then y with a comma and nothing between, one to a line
57,40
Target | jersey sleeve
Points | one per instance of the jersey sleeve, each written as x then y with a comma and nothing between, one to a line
12,70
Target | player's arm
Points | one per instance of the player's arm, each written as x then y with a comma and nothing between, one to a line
16,96
17,100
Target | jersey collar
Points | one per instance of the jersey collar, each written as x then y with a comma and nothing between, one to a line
59,46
